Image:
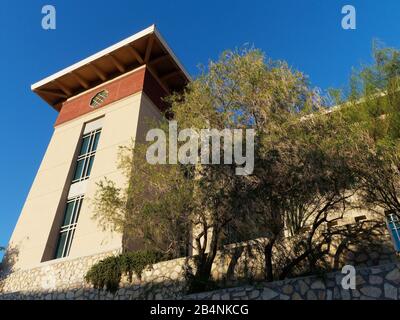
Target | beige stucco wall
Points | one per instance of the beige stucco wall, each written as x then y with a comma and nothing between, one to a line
51,185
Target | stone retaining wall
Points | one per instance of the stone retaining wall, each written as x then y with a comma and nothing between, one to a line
50,277
64,280
242,263
379,282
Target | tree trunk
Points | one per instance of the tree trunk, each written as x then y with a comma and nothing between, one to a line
269,272
201,279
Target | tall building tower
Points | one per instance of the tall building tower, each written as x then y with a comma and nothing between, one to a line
102,103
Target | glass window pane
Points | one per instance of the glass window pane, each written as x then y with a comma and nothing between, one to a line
68,213
96,141
78,170
60,245
90,166
68,242
396,238
76,211
99,98
393,224
85,145
397,244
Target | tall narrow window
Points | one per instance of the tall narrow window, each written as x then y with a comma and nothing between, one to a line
86,155
83,168
68,227
393,223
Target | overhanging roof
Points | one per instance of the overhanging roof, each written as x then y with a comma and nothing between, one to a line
146,47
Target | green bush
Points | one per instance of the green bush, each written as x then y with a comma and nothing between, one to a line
107,273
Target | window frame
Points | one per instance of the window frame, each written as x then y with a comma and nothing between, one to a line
86,154
393,225
98,99
68,229
88,157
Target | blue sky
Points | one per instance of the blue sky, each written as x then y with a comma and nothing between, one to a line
306,33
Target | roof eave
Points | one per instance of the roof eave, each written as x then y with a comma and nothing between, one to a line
53,90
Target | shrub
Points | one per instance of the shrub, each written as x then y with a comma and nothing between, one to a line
107,273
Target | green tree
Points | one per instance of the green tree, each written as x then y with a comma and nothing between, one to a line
302,182
371,112
241,90
298,180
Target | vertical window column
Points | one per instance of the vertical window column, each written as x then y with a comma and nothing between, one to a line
68,227
83,168
86,156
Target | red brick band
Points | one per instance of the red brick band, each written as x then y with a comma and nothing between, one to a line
141,80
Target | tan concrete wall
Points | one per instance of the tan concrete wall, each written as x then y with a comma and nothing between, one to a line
121,124
51,185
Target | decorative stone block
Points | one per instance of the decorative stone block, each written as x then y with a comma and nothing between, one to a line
374,280
393,276
268,294
390,291
371,291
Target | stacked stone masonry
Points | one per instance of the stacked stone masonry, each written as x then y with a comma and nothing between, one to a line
379,282
165,280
